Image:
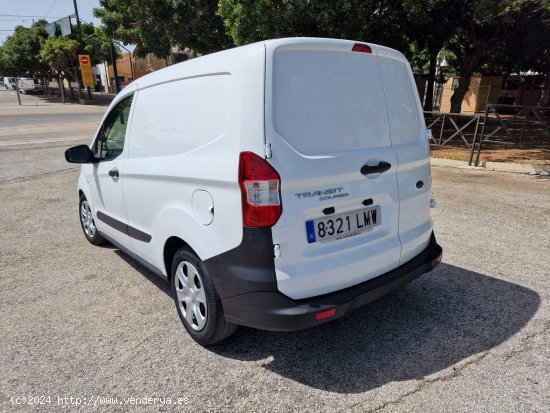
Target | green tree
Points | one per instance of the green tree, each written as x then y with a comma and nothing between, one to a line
489,28
528,49
248,21
3,68
60,54
20,51
95,42
429,25
509,33
157,25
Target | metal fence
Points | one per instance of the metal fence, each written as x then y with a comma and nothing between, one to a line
505,125
514,126
452,128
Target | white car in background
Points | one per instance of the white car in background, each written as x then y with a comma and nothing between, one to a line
10,82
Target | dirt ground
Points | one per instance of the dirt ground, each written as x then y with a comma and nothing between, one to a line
494,153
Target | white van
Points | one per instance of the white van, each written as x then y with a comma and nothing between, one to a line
10,83
29,86
277,185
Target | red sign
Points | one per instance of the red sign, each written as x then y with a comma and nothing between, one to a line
86,70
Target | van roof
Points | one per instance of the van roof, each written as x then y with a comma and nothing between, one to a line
225,60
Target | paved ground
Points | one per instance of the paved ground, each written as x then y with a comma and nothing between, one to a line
8,98
83,321
33,138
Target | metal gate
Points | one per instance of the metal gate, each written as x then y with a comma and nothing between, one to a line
514,126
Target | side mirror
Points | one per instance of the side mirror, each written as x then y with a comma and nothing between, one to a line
80,154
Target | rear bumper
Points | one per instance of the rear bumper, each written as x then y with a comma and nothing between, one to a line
272,310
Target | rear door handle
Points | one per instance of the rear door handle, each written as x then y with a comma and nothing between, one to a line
375,169
114,173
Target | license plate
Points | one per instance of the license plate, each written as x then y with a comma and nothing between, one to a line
343,225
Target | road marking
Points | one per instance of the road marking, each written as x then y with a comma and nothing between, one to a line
47,128
18,142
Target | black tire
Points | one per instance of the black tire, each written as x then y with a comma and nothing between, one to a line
216,328
94,237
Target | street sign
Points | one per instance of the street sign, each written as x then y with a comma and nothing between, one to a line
86,70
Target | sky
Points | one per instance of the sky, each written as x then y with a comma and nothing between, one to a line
22,12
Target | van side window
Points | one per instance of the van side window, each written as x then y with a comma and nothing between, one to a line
110,141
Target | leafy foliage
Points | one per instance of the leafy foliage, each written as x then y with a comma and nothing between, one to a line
19,53
158,25
486,32
95,43
60,54
429,24
527,45
31,52
478,33
377,21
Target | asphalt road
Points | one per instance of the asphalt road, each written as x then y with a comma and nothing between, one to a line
33,138
83,321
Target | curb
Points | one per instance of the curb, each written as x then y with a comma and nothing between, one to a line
493,166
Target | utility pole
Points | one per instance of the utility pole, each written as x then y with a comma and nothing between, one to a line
80,41
115,72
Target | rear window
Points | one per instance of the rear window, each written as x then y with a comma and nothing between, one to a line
328,101
402,101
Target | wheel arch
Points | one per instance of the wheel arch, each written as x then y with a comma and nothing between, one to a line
84,190
171,246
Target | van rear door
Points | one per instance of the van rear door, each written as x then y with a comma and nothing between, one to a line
408,136
327,124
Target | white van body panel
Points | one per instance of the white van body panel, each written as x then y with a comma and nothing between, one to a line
408,134
104,193
191,123
321,135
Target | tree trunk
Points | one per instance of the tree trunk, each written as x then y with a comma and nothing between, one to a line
429,98
61,88
470,62
78,80
460,92
71,88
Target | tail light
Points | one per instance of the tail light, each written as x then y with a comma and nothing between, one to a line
361,47
261,198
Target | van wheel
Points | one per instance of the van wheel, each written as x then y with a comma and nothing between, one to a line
88,224
197,301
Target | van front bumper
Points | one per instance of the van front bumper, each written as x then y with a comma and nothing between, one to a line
272,310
